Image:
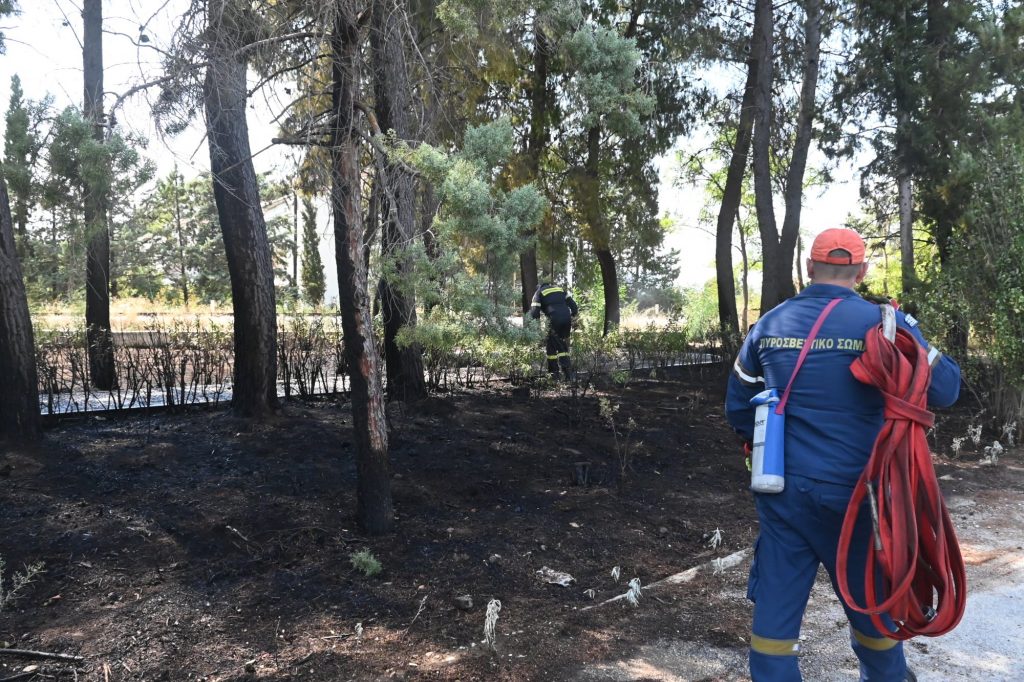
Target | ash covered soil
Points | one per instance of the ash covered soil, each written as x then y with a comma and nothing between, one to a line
199,546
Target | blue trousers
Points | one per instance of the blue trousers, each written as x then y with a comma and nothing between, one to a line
800,530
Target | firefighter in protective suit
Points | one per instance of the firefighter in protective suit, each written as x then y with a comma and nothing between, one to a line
831,424
559,308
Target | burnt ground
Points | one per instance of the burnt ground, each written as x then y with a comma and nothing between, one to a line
199,546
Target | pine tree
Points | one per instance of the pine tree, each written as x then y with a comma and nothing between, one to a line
313,283
78,163
19,401
235,188
22,145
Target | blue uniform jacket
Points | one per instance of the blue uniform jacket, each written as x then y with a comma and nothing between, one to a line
832,419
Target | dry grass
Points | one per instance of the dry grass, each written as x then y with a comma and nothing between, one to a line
129,314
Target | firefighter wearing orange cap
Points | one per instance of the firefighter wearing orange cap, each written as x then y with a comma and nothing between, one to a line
831,422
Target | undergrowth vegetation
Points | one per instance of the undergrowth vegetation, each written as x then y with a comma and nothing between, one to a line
175,361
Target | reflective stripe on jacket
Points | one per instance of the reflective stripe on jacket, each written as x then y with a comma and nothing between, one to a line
552,301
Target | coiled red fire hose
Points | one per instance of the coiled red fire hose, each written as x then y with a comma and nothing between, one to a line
914,558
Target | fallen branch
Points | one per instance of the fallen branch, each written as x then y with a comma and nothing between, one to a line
41,655
305,659
686,576
20,676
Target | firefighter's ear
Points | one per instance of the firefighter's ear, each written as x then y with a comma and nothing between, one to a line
810,269
862,273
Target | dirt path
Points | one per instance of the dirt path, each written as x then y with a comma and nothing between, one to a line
985,647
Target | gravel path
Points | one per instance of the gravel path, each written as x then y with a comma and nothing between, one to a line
987,646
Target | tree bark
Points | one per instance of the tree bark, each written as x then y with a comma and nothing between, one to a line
19,399
610,282
240,215
906,205
779,251
428,207
904,181
295,244
732,195
398,301
939,37
763,53
374,508
97,261
799,264
745,320
794,193
182,259
538,140
599,232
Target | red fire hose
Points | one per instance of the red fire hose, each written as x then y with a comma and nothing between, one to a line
914,558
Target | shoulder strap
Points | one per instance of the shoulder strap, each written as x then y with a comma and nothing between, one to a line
805,350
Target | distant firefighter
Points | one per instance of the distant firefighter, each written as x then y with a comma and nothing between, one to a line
559,307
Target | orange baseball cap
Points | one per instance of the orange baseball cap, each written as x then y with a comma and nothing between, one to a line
838,238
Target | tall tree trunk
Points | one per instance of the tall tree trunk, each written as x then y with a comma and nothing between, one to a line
528,271
371,225
19,399
731,197
374,507
24,242
763,53
904,181
610,283
295,245
240,214
538,140
801,146
182,262
906,205
398,305
599,231
940,34
428,207
800,263
794,193
97,261
779,251
745,276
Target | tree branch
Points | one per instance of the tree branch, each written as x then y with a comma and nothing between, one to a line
40,655
112,115
300,142
374,139
246,49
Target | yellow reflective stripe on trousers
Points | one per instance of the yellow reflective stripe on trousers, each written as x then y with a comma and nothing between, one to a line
562,355
552,357
774,647
874,643
552,290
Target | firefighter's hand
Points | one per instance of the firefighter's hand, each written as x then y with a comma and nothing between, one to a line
748,449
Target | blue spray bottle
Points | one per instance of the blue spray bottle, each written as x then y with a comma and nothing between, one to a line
767,471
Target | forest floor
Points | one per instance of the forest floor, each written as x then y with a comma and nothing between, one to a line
199,546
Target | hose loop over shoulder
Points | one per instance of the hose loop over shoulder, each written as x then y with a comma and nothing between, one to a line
914,571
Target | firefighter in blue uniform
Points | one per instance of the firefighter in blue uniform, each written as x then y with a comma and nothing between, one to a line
831,424
559,308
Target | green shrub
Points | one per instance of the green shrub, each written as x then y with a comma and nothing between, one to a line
19,581
364,562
